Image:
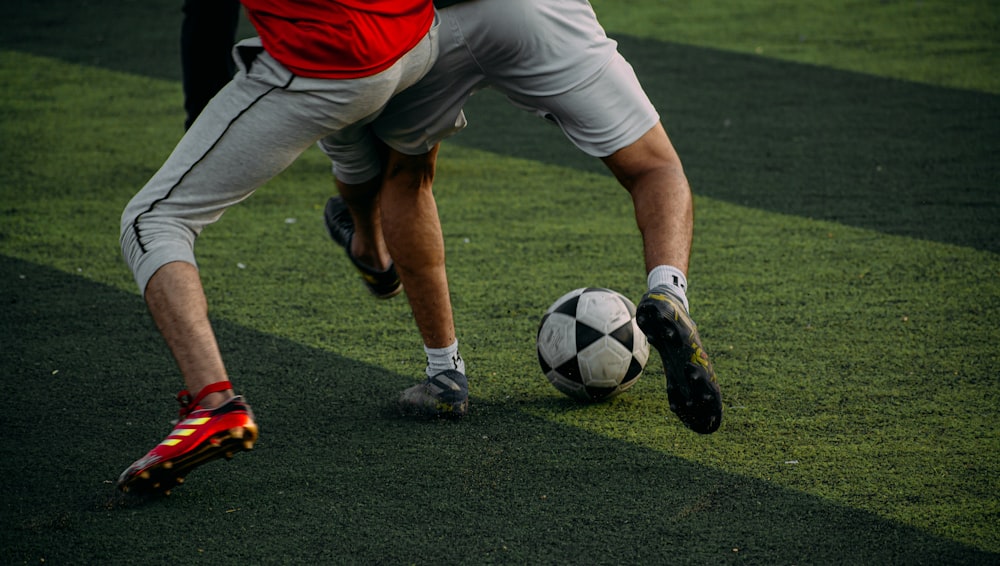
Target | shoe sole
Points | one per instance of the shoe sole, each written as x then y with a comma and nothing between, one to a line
692,390
371,281
439,410
444,395
162,477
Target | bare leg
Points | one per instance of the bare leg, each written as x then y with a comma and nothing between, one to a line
413,235
177,303
652,173
219,425
368,244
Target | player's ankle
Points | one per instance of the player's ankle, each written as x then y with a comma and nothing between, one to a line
213,400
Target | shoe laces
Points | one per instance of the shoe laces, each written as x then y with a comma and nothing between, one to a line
189,404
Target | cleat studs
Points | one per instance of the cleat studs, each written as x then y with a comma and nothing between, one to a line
248,445
144,475
236,432
166,465
179,480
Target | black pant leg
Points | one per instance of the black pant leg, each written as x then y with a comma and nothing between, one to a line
207,36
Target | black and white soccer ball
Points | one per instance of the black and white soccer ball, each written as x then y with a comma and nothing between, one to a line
589,345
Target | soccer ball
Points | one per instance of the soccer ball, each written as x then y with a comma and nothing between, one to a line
589,345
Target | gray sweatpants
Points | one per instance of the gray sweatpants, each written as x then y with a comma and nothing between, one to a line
251,131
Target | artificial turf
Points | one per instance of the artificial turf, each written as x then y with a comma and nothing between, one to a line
845,276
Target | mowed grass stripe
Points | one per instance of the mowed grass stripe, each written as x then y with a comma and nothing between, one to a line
881,154
825,144
933,41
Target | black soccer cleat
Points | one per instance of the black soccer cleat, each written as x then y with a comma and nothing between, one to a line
340,226
692,388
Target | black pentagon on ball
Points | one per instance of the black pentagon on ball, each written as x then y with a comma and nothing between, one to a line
568,308
624,335
586,335
599,393
546,368
634,370
571,370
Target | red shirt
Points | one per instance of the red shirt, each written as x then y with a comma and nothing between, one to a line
339,39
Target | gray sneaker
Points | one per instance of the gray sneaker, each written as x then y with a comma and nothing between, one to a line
443,395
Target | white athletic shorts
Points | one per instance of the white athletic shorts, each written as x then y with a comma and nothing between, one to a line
549,57
252,130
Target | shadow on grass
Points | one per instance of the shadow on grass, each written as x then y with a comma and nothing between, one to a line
887,155
338,477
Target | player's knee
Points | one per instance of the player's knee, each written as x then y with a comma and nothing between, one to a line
411,171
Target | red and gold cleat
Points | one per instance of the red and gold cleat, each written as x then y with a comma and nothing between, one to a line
201,435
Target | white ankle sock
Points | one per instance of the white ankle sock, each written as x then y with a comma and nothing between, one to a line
672,278
440,359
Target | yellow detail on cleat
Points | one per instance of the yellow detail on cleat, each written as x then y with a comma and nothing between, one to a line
182,432
171,442
196,422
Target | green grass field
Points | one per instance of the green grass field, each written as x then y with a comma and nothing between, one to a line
845,277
